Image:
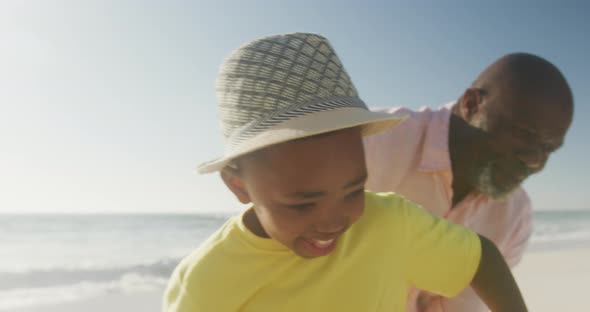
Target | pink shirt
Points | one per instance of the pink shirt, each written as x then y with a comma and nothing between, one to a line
413,160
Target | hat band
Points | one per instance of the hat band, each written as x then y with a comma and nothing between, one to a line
265,123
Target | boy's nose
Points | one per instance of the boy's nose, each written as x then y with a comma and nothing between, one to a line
339,218
332,227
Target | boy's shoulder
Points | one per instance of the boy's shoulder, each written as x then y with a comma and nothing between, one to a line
387,209
382,203
198,263
198,278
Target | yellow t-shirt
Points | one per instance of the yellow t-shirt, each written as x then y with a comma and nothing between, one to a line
395,245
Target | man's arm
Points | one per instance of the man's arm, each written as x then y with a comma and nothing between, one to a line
445,258
516,236
494,283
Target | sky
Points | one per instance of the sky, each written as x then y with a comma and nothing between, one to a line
109,106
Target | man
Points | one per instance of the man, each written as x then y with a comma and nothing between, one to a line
465,162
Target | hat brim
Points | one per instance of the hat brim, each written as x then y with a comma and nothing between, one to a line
306,126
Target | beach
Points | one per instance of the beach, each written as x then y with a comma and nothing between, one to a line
118,263
149,301
555,280
543,276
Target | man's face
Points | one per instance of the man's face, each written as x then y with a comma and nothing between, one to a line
521,134
306,193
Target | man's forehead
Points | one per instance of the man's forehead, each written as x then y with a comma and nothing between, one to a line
550,131
543,115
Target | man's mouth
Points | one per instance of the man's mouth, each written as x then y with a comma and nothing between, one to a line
514,173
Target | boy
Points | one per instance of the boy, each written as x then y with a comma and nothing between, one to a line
313,239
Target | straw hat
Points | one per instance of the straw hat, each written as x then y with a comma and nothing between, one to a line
285,87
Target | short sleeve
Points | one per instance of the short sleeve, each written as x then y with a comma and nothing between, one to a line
196,286
176,298
521,231
442,257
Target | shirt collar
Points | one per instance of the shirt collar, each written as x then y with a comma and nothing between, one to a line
435,155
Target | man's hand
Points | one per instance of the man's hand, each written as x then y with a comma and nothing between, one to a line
427,302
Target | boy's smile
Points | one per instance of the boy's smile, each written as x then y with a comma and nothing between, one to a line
320,247
306,193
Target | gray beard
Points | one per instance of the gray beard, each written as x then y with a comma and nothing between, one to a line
485,177
485,184
484,181
481,123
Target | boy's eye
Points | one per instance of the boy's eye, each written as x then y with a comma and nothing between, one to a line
300,207
356,193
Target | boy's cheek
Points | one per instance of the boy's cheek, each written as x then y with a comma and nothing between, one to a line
283,229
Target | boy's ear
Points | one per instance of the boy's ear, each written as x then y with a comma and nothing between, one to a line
471,103
232,180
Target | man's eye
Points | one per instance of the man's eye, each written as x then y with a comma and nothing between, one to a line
522,133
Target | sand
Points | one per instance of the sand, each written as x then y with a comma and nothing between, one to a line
136,302
555,280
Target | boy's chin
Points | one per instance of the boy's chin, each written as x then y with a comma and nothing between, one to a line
306,255
301,252
309,257
306,250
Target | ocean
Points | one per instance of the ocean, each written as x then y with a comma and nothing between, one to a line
53,259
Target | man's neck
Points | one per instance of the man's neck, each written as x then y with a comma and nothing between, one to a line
464,146
460,191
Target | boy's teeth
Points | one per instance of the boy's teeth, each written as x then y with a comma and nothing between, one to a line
322,243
